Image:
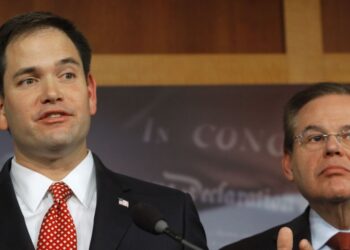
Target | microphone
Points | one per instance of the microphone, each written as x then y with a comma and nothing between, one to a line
151,220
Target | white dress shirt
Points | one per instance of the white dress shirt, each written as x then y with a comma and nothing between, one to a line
31,190
321,231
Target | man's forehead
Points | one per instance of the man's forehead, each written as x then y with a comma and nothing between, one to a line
40,39
22,34
327,112
327,103
35,35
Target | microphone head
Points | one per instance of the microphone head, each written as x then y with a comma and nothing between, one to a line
161,226
148,218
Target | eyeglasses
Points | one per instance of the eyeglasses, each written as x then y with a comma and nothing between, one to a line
317,140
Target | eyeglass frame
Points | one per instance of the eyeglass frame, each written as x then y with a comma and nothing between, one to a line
344,132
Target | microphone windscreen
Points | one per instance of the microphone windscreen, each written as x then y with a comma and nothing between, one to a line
146,217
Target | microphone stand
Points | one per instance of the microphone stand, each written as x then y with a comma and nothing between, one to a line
177,237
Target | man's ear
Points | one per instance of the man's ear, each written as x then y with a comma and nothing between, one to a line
91,85
287,166
3,119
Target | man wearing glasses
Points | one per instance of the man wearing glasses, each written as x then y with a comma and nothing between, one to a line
317,159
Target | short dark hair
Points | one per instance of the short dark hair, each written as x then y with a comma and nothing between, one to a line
299,100
32,21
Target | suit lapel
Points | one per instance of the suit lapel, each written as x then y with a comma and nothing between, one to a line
13,230
301,228
112,220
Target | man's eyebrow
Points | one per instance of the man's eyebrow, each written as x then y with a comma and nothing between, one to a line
23,71
320,129
29,70
312,127
346,127
68,60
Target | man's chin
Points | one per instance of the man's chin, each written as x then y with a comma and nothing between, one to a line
57,143
334,197
339,197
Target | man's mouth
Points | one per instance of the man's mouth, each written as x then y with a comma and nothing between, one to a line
335,170
54,116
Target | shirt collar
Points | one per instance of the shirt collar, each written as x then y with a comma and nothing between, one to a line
82,180
31,187
321,231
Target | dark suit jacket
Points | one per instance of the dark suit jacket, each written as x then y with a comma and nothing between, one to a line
268,240
113,226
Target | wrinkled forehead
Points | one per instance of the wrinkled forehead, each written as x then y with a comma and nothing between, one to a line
329,112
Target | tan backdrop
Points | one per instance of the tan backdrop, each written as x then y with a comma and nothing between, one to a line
180,42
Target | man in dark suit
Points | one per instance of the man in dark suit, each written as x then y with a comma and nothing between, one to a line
317,159
54,191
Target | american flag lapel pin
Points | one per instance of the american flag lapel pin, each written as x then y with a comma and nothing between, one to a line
123,202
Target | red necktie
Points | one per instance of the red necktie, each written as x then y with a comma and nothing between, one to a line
340,241
57,229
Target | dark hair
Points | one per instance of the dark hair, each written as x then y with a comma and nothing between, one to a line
31,21
299,100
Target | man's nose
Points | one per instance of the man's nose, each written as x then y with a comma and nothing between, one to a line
51,92
333,146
